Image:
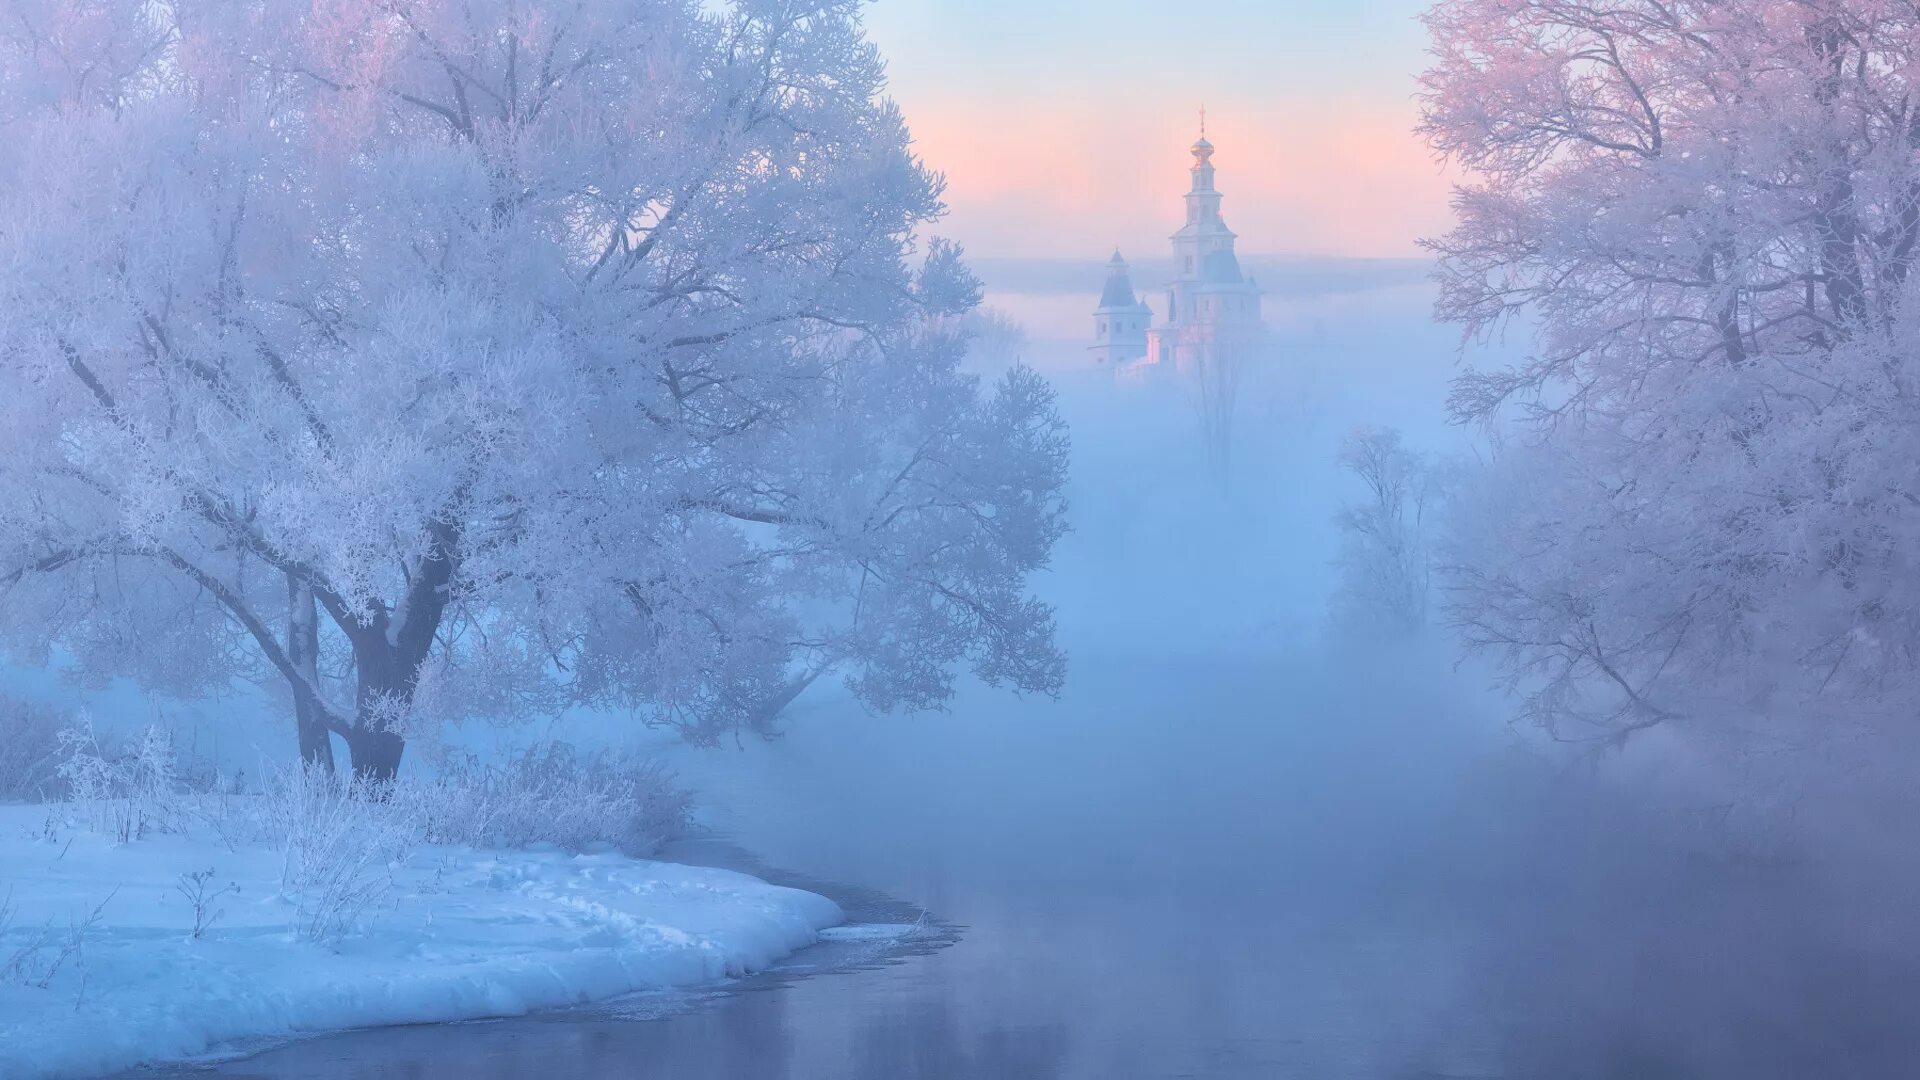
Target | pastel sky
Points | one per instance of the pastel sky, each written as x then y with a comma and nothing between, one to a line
1062,125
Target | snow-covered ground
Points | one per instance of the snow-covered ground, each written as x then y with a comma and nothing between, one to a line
451,933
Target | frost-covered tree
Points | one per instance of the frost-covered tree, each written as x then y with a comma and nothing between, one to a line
457,358
1385,560
997,340
1218,368
1708,510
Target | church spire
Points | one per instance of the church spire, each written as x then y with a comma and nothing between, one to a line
1203,200
1213,309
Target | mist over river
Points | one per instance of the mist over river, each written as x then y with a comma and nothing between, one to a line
1236,846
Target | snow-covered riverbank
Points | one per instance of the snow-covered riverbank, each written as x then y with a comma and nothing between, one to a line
446,934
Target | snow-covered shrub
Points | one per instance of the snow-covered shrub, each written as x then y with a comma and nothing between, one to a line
126,791
340,838
339,842
548,794
29,750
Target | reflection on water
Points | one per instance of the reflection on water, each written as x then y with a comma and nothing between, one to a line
1329,885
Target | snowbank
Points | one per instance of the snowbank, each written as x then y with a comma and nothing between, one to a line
456,934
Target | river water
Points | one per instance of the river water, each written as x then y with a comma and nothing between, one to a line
1333,885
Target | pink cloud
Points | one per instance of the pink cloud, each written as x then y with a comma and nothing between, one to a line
1323,177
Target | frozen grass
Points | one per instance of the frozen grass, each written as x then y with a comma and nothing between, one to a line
338,837
550,793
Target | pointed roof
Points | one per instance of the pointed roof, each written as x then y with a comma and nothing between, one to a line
1119,290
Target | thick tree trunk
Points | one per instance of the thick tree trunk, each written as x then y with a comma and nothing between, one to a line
316,742
388,650
303,652
376,755
387,681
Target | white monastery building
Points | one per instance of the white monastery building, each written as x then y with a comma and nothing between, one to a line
1213,310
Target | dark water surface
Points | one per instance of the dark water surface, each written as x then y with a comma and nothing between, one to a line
1229,868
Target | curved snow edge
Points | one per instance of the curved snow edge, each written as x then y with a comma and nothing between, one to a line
482,935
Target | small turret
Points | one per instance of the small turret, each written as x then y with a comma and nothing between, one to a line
1120,322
